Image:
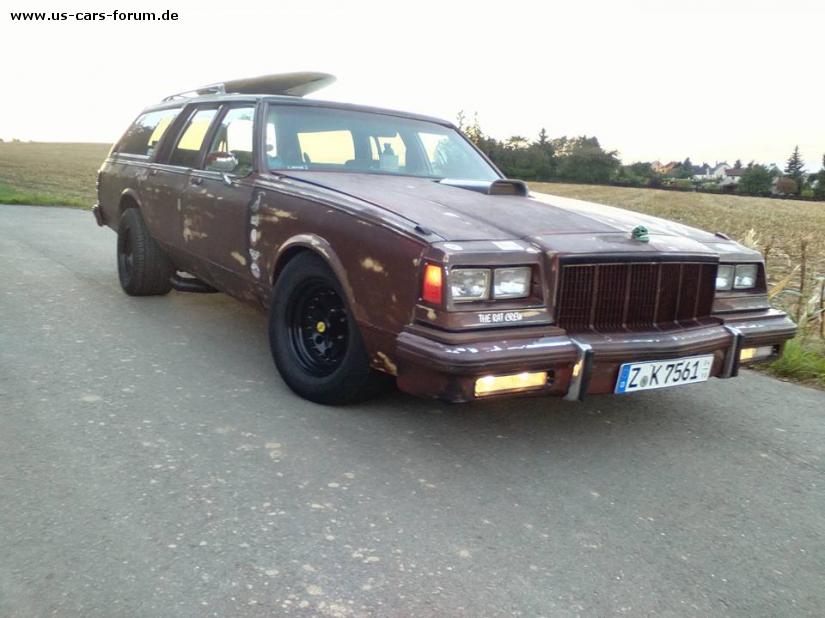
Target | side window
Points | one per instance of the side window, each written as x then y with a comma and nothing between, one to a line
390,152
143,136
189,145
444,156
330,147
231,148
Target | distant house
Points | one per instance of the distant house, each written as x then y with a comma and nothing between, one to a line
665,169
732,176
707,173
702,172
718,171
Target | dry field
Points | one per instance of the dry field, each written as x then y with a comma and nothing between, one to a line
49,173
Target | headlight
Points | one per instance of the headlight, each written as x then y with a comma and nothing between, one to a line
469,284
745,277
511,282
724,277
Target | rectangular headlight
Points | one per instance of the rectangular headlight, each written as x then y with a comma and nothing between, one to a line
468,284
745,277
724,277
512,282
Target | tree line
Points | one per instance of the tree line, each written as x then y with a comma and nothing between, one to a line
582,159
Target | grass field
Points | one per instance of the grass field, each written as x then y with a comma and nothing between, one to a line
49,173
64,174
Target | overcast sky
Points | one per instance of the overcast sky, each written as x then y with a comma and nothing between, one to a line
713,80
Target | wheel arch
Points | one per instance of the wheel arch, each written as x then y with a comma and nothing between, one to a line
312,243
128,199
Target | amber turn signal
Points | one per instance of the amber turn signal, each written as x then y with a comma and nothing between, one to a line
433,286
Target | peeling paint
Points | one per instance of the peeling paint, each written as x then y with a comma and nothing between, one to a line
386,361
189,233
369,263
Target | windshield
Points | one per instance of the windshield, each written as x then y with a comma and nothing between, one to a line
324,139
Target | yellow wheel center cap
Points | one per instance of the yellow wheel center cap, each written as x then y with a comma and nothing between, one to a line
320,327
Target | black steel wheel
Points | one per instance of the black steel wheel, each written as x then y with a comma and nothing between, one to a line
318,327
314,339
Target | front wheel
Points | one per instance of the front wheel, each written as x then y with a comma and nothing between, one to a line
314,339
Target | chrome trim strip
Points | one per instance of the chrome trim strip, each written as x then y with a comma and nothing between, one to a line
730,368
577,388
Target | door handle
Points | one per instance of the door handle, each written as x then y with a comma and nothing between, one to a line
197,180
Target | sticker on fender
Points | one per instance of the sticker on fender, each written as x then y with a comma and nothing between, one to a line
660,374
502,316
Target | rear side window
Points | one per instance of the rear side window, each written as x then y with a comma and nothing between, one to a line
143,136
188,148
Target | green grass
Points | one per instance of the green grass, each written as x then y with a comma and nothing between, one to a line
803,361
9,195
50,173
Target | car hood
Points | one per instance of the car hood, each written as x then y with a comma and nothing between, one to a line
553,222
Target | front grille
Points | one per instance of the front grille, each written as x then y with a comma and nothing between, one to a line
634,295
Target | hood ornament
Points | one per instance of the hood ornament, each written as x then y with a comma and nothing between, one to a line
640,233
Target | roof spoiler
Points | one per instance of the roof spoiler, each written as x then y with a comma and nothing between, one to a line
496,187
296,84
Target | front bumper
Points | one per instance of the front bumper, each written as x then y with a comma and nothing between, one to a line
446,366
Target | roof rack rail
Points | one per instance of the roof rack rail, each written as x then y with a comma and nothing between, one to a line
290,84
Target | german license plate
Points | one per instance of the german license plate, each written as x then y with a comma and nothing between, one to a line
659,374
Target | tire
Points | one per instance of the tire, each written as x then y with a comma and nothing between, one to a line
314,339
142,266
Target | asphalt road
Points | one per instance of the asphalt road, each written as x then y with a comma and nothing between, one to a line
152,463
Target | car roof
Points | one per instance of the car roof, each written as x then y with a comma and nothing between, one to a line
292,100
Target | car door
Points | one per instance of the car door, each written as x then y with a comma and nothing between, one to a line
217,198
174,178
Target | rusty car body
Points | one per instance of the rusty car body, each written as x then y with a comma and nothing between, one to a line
395,243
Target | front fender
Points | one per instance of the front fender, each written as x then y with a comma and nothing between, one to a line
320,246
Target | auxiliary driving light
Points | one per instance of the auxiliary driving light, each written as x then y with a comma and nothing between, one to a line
748,355
489,385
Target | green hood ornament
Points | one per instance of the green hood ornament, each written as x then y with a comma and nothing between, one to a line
640,233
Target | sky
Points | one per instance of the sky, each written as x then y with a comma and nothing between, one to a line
655,80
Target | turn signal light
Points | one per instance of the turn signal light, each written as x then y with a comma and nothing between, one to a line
489,385
433,286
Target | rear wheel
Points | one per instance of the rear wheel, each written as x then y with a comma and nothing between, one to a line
143,268
314,340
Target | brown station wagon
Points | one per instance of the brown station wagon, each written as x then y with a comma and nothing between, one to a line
383,242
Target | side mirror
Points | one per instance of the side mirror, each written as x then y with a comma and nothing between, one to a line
223,162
